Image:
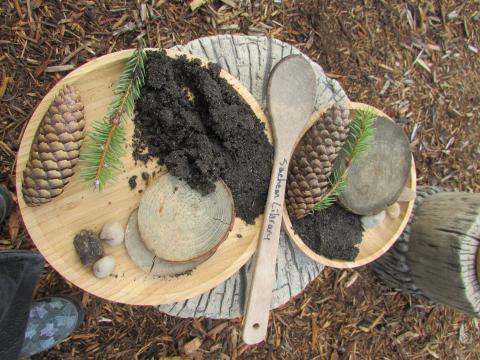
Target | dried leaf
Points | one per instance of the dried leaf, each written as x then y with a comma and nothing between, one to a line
351,280
77,27
3,86
192,346
59,68
14,225
230,3
41,68
433,353
196,4
314,331
35,4
217,329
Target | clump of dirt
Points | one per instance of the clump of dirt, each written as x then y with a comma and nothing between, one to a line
195,123
132,182
88,247
332,232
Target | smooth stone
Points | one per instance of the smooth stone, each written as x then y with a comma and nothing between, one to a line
376,178
393,210
372,221
104,267
112,234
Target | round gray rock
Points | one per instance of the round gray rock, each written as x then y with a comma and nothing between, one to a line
377,177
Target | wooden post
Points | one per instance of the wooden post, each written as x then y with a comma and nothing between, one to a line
438,254
443,249
478,264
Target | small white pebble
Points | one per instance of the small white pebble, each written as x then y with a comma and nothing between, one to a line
113,234
394,210
104,267
372,221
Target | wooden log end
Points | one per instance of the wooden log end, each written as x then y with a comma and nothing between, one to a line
145,259
178,224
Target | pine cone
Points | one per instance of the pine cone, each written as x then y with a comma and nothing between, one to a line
55,149
313,160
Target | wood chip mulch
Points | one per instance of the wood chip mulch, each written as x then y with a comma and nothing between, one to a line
419,61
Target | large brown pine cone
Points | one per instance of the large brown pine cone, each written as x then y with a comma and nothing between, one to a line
55,149
313,160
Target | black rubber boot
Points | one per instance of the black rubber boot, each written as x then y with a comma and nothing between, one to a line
19,273
6,203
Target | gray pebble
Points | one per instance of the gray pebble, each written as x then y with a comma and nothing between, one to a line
372,221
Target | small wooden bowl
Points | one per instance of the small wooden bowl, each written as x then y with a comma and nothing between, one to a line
53,226
376,241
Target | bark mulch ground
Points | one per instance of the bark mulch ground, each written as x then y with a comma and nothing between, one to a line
416,60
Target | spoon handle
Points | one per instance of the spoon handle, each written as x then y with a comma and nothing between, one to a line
260,296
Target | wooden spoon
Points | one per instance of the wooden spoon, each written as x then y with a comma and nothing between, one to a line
290,99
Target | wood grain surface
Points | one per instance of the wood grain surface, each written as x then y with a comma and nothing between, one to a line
290,98
392,267
376,241
53,226
443,250
179,224
146,260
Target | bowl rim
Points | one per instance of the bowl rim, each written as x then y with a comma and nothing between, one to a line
344,264
107,288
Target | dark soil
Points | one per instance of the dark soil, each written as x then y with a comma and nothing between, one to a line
196,124
88,247
333,232
132,182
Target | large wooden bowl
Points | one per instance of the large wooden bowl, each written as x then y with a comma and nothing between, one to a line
376,241
53,226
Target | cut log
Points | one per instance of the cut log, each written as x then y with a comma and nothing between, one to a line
377,177
478,264
145,259
436,257
392,267
443,249
250,59
171,209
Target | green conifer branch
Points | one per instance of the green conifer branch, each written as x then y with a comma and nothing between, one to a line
360,133
100,158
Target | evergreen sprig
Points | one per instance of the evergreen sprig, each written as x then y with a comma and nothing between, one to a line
102,156
360,133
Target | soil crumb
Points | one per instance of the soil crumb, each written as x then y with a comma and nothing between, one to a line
132,182
195,123
332,232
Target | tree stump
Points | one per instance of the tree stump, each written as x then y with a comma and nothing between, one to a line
437,255
250,59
